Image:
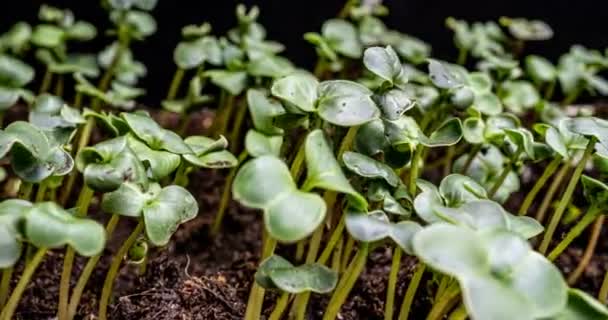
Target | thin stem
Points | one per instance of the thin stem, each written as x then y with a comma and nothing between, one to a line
25,190
256,295
410,293
348,249
300,248
572,96
576,231
47,79
181,175
337,256
84,200
83,141
443,285
108,284
225,112
550,90
333,239
447,169
505,173
280,307
28,272
462,56
87,271
106,79
59,85
237,127
5,284
603,295
414,169
557,181
540,183
472,154
2,114
459,313
347,283
78,100
566,197
593,238
178,76
441,306
392,284
41,192
226,196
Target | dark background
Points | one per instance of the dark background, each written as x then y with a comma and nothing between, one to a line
583,21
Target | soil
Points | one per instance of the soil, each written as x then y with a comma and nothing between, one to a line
202,277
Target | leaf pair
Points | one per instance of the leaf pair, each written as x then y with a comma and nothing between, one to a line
45,225
499,274
338,37
476,130
14,75
265,138
277,272
34,156
53,116
162,209
340,102
375,226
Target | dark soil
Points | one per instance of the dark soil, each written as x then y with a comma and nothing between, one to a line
200,277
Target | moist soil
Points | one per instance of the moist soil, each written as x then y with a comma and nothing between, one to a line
202,277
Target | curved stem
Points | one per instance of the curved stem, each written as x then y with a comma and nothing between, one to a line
410,293
474,151
178,76
237,127
504,174
392,284
592,243
415,166
47,79
576,231
11,305
5,284
226,193
108,284
256,295
347,283
557,181
540,183
603,295
280,307
566,197
88,270
441,306
84,200
333,239
459,313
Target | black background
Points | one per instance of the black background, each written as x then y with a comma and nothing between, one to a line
582,21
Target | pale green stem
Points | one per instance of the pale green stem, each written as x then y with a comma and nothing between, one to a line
540,183
555,219
589,250
175,83
575,232
226,193
28,272
410,293
389,307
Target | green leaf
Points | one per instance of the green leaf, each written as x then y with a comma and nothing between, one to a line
323,170
81,31
473,129
595,191
189,54
582,306
526,227
522,138
142,24
173,206
110,163
12,214
85,64
8,97
367,167
156,137
308,277
289,214
258,144
449,133
442,76
159,164
128,200
209,153
589,127
487,103
262,275
48,36
540,69
519,95
346,103
394,103
475,214
528,30
342,37
462,97
375,226
14,73
234,82
457,189
48,225
427,200
270,66
452,250
384,63
299,89
263,112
